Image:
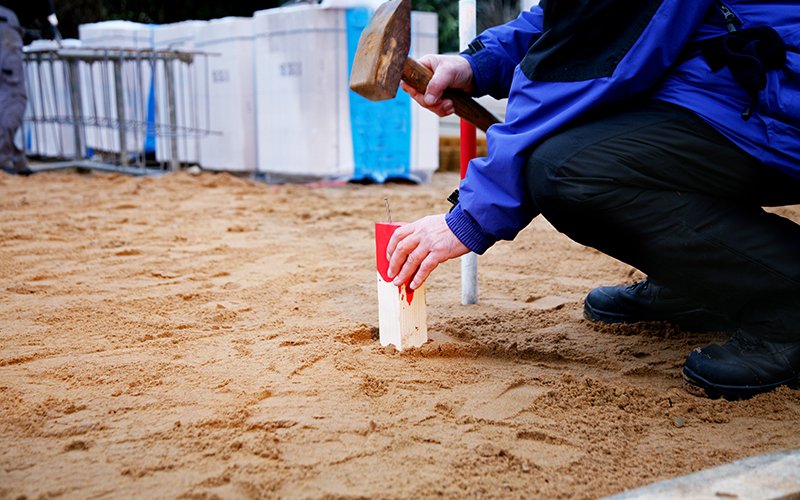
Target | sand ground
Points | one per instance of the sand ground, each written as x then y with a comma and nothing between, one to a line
208,336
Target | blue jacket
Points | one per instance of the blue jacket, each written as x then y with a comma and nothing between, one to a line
654,51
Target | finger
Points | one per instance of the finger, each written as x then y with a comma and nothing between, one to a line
448,108
433,97
441,79
442,108
410,266
409,89
425,269
433,94
400,245
398,235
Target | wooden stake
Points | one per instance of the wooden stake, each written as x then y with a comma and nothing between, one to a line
401,311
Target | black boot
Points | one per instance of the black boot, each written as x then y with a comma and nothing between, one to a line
743,366
647,301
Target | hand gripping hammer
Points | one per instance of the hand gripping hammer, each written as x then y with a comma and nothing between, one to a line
381,61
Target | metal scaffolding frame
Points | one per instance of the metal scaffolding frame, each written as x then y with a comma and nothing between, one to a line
122,110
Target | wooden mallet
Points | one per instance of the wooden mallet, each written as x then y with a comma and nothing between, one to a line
381,61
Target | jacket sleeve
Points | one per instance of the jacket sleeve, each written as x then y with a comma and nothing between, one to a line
557,82
495,53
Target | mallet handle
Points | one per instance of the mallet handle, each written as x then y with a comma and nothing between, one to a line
418,76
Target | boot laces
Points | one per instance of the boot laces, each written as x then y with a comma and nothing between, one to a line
644,284
747,343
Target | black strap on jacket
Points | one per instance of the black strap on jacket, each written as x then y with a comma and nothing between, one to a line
585,39
748,54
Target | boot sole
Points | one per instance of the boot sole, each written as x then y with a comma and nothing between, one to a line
697,320
733,392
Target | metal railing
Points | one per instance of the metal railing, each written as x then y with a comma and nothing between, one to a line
116,109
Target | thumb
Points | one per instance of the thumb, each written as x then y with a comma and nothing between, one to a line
440,80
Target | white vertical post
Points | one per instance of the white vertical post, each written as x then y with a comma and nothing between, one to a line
469,279
467,18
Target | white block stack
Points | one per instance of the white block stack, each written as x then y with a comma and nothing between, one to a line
225,91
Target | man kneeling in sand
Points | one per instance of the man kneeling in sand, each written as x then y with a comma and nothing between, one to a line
654,132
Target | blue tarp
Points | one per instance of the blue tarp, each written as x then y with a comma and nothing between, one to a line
381,130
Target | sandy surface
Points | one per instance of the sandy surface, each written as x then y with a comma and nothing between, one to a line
208,337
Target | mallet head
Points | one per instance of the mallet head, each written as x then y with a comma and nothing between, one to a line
382,52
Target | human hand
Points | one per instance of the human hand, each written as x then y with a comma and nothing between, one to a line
416,249
448,71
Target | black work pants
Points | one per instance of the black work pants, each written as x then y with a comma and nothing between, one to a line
655,186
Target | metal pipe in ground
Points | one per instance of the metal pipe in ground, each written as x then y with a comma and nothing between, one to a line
469,262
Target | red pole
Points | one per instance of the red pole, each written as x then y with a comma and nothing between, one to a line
469,262
469,145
